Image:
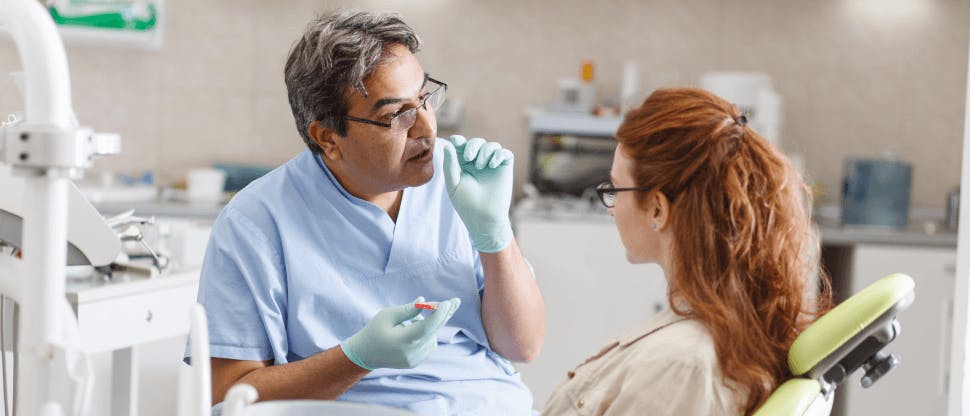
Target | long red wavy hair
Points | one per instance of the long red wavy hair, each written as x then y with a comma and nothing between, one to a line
744,247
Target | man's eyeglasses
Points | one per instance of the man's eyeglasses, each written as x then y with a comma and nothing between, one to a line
404,119
607,192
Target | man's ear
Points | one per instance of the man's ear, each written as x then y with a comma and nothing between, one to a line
324,138
659,213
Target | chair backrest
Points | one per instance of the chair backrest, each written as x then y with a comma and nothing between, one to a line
850,336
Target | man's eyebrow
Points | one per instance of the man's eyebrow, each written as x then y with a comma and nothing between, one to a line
388,101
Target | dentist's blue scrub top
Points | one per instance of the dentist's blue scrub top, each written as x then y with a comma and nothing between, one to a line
295,264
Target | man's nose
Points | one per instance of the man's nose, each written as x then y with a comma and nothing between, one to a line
425,124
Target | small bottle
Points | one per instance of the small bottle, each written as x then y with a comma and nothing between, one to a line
586,73
587,91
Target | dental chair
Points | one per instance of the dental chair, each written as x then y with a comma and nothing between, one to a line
850,336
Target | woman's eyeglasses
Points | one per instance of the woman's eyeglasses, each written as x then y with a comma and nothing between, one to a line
607,192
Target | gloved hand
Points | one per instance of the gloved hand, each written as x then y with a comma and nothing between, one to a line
386,343
478,176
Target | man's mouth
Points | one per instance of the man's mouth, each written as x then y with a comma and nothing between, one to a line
422,155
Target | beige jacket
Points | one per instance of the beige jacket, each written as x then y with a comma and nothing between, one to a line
667,366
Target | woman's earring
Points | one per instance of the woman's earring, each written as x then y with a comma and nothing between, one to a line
654,225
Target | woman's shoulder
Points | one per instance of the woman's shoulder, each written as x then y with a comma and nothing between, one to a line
669,340
677,358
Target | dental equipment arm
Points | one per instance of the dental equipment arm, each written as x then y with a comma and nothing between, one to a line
90,238
46,150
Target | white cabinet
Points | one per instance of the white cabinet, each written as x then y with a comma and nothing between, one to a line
112,316
918,386
591,292
134,330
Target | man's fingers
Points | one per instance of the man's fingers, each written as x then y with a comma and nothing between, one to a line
486,154
471,149
458,141
434,321
451,167
499,157
397,314
507,157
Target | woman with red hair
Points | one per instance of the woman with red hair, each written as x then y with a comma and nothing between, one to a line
724,214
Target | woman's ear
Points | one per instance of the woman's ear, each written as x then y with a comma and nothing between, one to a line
324,138
659,211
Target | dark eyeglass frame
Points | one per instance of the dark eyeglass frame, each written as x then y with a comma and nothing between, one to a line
606,191
441,89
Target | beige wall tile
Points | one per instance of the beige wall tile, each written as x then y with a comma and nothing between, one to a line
133,115
203,128
276,134
856,76
208,46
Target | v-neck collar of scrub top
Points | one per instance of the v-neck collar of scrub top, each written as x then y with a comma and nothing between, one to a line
395,231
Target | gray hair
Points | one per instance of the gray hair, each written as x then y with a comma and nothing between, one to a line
336,53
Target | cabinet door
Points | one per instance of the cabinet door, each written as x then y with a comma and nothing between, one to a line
591,292
918,385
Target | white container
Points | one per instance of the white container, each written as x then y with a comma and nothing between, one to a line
185,241
630,87
204,185
573,95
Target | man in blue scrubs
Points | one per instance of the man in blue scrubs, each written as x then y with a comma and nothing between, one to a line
312,272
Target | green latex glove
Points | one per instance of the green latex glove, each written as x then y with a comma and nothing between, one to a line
478,176
388,342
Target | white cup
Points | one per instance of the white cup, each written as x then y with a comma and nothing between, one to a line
205,185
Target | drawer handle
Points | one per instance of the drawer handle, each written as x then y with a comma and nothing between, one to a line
148,317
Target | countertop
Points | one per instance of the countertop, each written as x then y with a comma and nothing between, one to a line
919,233
160,208
98,288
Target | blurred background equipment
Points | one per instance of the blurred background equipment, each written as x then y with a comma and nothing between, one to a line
571,152
755,97
876,192
952,221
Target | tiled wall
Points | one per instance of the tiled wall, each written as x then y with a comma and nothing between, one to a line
857,77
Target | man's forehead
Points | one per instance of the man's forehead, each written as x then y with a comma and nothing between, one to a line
398,70
390,81
399,83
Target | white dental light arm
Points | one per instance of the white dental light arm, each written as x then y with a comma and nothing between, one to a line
48,112
46,149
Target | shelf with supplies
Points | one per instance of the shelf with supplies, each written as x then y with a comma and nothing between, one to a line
571,152
582,124
123,24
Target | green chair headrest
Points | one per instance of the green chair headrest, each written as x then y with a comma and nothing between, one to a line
851,317
792,398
